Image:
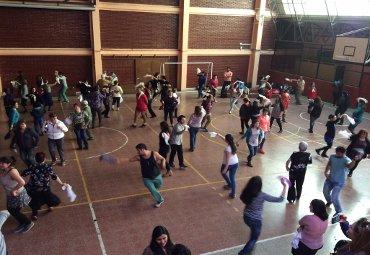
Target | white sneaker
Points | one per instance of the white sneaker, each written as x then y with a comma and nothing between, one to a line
157,205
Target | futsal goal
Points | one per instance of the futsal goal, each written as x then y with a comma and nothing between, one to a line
203,66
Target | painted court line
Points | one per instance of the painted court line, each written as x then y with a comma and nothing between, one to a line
92,211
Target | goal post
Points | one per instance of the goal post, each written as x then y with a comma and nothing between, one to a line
209,67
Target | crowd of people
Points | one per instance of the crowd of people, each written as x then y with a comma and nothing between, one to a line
257,116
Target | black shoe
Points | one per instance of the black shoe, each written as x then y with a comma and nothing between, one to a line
182,167
350,174
86,148
28,227
324,155
249,164
328,204
172,165
310,131
318,152
19,228
241,132
227,187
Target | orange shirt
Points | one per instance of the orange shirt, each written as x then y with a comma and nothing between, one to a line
264,121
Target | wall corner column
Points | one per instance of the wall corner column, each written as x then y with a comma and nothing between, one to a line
96,43
257,32
183,43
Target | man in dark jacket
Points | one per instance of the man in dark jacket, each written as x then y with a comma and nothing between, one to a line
343,104
26,139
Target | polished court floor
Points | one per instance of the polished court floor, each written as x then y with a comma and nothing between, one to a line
114,212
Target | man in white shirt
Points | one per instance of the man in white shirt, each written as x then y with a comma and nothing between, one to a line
176,142
55,130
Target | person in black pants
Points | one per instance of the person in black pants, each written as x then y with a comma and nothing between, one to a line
329,135
342,105
149,94
245,114
169,105
315,109
176,142
164,146
106,102
26,139
296,165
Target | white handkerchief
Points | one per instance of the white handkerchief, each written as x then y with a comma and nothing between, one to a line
212,134
70,193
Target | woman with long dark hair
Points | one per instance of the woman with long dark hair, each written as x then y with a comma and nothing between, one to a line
16,194
312,228
230,164
160,244
195,123
164,145
358,149
253,198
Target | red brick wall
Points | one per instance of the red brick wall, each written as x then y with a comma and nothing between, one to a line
75,68
268,35
219,32
238,65
138,30
41,28
238,4
156,2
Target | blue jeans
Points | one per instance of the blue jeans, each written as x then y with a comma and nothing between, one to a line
154,184
27,156
37,124
256,227
193,131
62,94
230,180
81,136
233,101
331,192
252,152
262,143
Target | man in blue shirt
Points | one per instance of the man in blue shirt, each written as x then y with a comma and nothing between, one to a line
336,172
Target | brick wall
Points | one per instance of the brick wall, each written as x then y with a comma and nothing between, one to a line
139,30
238,65
246,4
75,68
156,2
268,35
40,28
219,32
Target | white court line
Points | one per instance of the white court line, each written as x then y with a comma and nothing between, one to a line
92,211
260,241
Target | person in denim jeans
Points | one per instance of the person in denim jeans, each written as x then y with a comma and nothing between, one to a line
61,79
230,164
80,120
254,136
335,172
195,123
150,170
253,198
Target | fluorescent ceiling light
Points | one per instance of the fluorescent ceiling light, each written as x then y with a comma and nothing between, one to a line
334,7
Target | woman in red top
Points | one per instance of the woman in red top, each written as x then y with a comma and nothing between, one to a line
141,105
312,92
286,100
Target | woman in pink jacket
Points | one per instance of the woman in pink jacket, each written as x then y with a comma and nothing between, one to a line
312,227
264,121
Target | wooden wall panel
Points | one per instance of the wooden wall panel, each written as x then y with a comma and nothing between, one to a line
246,4
138,30
75,68
219,32
264,65
238,65
41,28
156,2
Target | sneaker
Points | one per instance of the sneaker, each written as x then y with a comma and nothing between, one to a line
230,112
157,205
205,129
350,174
232,196
172,165
28,227
63,163
133,125
324,155
53,163
328,204
227,187
19,228
34,217
261,151
318,152
182,167
249,164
